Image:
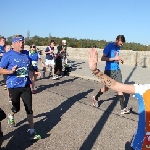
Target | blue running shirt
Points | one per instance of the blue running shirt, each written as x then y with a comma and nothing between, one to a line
111,50
20,78
2,50
34,57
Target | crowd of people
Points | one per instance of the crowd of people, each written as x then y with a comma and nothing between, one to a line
20,70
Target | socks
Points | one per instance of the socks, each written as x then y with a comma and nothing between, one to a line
31,131
10,116
121,99
98,95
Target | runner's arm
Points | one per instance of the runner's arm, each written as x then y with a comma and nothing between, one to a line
112,84
3,66
5,71
39,57
105,58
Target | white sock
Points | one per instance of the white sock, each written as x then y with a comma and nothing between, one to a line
31,131
10,116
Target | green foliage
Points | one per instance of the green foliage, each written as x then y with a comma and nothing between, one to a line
80,43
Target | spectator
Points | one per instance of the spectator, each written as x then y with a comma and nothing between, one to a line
50,62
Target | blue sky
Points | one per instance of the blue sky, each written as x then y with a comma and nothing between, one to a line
88,19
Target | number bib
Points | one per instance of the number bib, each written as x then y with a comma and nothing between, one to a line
22,72
34,63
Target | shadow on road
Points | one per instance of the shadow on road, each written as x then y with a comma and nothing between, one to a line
91,139
49,120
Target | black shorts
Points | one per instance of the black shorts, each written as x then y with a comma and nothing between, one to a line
114,74
26,95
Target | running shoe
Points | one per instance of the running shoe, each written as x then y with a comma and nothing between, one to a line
125,111
33,91
11,121
9,99
94,102
34,136
54,77
5,87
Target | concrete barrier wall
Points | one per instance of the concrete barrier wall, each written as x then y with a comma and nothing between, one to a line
138,58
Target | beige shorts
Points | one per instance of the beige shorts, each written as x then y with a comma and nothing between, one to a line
49,62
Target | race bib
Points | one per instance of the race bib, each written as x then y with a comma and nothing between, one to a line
34,63
22,72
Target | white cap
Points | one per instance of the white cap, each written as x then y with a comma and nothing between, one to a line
64,41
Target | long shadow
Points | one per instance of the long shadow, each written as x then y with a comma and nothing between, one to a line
89,142
127,146
102,101
49,120
44,87
127,96
74,64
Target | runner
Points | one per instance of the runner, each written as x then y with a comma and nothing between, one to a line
34,57
2,51
2,46
16,65
6,48
140,140
112,69
50,62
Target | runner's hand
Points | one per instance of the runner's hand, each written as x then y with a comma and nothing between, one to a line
117,57
121,60
38,74
13,69
43,64
92,59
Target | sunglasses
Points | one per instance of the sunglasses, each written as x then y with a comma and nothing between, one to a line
32,46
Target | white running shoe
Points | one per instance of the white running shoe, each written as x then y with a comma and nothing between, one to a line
94,102
125,111
54,77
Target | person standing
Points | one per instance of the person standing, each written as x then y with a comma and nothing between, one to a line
62,50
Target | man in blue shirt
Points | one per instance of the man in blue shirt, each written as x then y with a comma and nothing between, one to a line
112,69
141,139
16,65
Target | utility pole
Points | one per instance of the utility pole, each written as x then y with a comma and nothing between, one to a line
28,34
49,37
